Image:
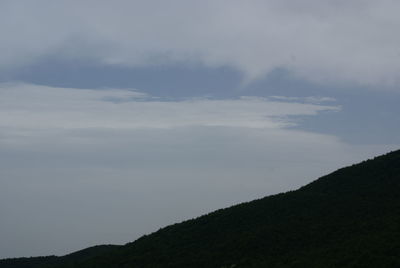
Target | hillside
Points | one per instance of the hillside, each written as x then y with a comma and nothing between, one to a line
349,218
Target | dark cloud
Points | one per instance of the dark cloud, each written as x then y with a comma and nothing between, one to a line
328,41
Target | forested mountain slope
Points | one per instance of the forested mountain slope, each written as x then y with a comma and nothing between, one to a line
349,218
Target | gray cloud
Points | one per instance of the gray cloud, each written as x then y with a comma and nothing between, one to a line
78,169
33,107
334,41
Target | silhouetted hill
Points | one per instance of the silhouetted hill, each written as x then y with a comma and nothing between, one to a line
65,261
349,218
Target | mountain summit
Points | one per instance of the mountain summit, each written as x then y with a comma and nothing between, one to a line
349,218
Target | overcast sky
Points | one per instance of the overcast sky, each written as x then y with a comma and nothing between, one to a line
118,118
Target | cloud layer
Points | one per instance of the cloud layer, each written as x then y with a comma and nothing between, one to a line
39,107
80,167
334,41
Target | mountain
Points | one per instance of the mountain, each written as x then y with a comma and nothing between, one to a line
349,218
53,261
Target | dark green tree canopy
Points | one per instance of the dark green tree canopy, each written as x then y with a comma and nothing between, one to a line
349,218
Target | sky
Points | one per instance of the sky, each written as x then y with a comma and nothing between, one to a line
118,118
